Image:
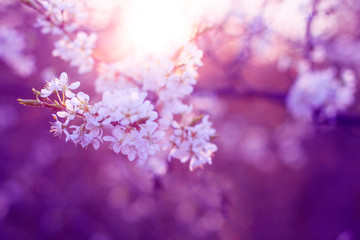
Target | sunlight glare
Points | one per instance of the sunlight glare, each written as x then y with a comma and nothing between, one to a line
159,26
155,26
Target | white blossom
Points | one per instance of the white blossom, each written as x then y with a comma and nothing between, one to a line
12,51
69,112
191,55
135,134
57,127
52,6
172,81
321,92
60,17
49,89
49,26
81,101
60,84
78,51
125,107
80,135
193,143
136,143
156,76
149,139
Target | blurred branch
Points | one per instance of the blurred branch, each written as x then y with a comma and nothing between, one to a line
231,92
341,120
308,36
252,93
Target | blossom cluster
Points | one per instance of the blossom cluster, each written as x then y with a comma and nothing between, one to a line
125,119
59,17
192,142
321,94
130,118
169,80
135,132
13,52
173,80
77,52
63,19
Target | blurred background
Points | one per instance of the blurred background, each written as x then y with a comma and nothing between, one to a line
273,177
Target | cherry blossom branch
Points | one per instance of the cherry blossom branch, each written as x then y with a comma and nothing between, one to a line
134,127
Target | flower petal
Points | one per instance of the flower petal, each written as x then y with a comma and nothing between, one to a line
63,78
96,144
75,101
45,93
62,114
74,85
69,94
83,97
109,139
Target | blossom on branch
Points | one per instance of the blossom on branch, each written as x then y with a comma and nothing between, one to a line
321,93
192,142
78,51
60,84
59,17
125,119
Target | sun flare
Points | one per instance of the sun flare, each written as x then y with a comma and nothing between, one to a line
155,26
